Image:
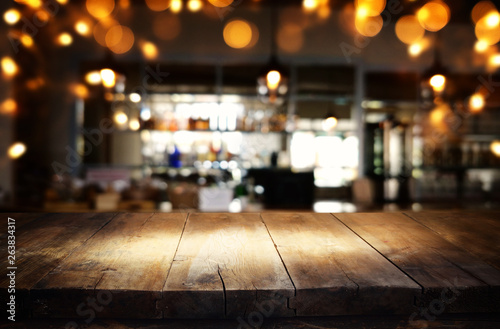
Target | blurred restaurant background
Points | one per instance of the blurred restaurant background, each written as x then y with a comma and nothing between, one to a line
247,105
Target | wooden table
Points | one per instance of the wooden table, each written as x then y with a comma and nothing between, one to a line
251,267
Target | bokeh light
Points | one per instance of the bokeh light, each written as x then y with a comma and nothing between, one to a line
80,90
149,50
158,5
134,124
237,34
101,29
175,6
108,78
481,9
495,148
273,79
93,78
120,118
100,8
438,82
409,30
369,7
310,5
220,3
8,106
12,16
9,67
434,15
119,39
369,26
476,102
82,27
481,46
486,31
194,5
64,39
16,150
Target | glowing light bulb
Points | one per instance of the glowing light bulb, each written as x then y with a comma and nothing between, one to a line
415,49
82,28
438,82
495,148
310,5
134,125
493,19
176,6
481,46
495,60
121,118
64,39
194,5
476,102
12,16
273,79
9,67
108,78
329,123
16,150
149,50
135,98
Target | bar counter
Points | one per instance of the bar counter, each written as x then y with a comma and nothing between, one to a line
253,268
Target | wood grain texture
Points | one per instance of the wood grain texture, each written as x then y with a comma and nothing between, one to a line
42,242
334,271
453,280
226,266
476,232
121,270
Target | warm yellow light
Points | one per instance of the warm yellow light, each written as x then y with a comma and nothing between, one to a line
121,118
273,79
158,5
495,148
62,2
9,67
495,60
486,30
108,78
80,90
310,5
16,150
476,102
135,97
370,7
12,16
149,50
134,124
119,39
42,16
481,46
362,12
415,49
220,3
64,39
492,19
32,3
237,34
408,29
329,123
481,9
434,15
26,40
93,78
124,4
438,82
100,8
8,106
194,5
368,26
82,28
176,6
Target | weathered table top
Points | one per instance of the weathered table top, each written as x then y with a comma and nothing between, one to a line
253,266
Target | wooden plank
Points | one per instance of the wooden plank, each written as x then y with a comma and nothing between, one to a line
41,244
226,266
118,273
453,280
478,233
334,271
